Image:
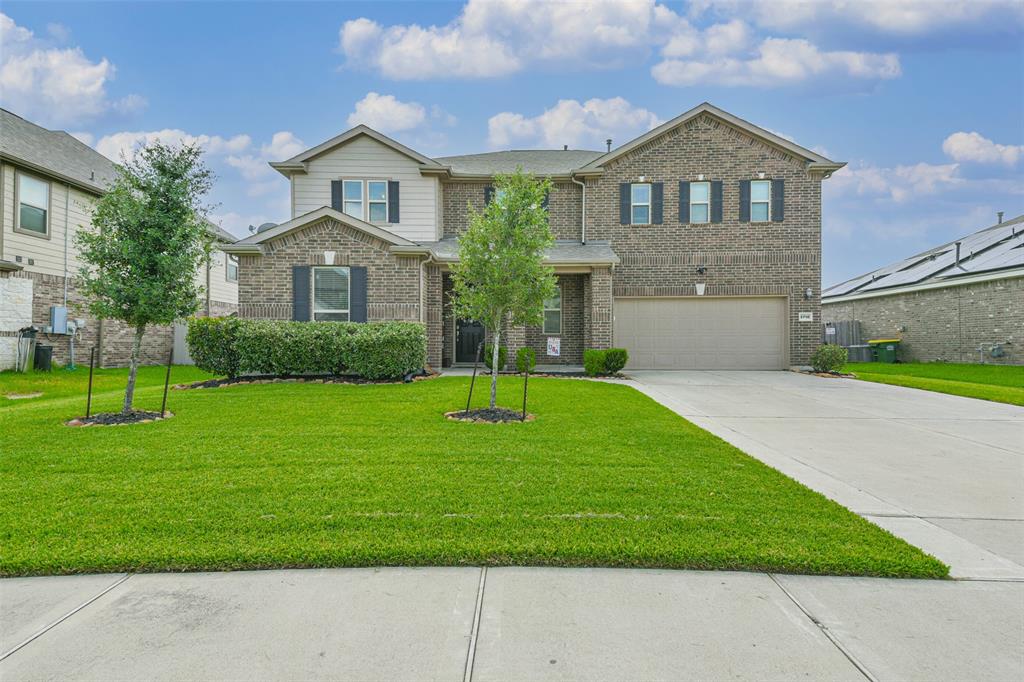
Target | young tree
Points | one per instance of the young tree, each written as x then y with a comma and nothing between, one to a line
149,235
500,277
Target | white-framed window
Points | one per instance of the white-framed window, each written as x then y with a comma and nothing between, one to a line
640,204
33,214
231,268
553,313
700,202
353,198
377,200
760,201
331,294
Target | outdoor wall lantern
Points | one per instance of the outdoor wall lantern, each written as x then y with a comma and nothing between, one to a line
808,292
702,269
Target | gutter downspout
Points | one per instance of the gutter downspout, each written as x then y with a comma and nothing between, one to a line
583,211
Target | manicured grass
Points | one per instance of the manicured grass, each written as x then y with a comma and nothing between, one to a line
1004,384
63,383
285,475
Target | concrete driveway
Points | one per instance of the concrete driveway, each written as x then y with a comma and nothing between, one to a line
943,472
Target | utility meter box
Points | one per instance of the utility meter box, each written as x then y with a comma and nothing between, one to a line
58,319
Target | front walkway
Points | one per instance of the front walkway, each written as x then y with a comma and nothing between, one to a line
507,624
943,472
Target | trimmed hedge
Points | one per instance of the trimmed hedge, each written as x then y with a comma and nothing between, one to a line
604,362
526,360
372,350
489,354
829,358
615,359
593,361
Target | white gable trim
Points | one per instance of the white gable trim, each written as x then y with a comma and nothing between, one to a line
299,161
245,245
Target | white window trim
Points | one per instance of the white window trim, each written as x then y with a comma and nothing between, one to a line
650,196
312,292
768,218
362,197
386,201
18,174
559,310
230,259
700,203
364,201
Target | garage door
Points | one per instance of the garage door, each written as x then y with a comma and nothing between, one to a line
702,333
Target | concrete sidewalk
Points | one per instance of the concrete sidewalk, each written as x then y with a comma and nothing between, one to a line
507,624
943,472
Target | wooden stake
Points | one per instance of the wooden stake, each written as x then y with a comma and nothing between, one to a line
88,400
167,381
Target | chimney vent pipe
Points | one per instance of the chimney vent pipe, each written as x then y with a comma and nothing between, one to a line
999,214
608,142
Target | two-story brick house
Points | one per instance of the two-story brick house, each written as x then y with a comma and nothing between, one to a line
696,245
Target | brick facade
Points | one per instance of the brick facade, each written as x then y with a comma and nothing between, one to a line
945,324
565,203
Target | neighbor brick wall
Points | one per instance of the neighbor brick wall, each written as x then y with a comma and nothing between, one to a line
946,324
742,259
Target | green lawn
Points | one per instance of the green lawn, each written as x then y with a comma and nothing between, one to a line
1004,384
286,475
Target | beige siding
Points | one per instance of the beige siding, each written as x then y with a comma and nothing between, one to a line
220,288
47,254
366,158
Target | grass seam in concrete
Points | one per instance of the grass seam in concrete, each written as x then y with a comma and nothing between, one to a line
825,631
46,628
474,632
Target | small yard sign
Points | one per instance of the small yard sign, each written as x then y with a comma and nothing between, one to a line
554,346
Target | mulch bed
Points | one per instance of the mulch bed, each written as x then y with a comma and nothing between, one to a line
487,415
828,375
290,379
119,419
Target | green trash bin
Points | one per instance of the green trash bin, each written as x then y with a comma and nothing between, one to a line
885,350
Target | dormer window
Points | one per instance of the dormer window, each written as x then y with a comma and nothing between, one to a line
353,190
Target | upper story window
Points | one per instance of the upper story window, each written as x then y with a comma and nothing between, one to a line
640,203
231,268
33,214
760,200
700,202
553,313
331,302
353,198
377,193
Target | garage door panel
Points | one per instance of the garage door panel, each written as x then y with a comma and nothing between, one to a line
702,333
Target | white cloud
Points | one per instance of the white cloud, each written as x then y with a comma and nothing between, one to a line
898,183
238,223
387,114
83,137
253,167
973,147
55,86
777,61
573,123
124,144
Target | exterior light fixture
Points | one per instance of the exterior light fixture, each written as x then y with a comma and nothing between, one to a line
808,292
702,269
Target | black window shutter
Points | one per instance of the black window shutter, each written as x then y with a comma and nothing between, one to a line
337,200
544,204
716,201
684,201
488,193
657,202
778,200
744,201
300,293
357,294
393,201
624,203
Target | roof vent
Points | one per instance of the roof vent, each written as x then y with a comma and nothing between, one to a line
999,215
92,176
565,148
609,143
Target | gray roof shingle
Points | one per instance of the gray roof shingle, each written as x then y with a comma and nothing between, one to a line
536,161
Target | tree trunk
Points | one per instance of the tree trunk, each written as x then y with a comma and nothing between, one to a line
133,369
496,341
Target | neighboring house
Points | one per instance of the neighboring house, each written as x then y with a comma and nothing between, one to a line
959,302
50,183
696,245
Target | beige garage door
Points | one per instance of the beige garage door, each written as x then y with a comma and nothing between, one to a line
702,333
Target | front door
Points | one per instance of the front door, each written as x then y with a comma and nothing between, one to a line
468,335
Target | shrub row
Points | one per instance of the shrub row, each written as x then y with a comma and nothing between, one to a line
829,358
372,350
603,362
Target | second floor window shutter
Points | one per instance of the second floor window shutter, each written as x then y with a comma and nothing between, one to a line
300,293
337,196
684,201
544,204
625,199
393,203
744,201
357,294
778,200
657,202
716,201
488,193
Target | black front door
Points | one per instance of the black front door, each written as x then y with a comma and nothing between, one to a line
468,335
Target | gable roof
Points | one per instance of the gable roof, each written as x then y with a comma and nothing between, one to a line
251,244
537,161
54,153
298,162
813,159
992,251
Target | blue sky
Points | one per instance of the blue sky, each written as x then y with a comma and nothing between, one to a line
925,100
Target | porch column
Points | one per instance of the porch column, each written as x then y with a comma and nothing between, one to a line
515,338
433,302
598,308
